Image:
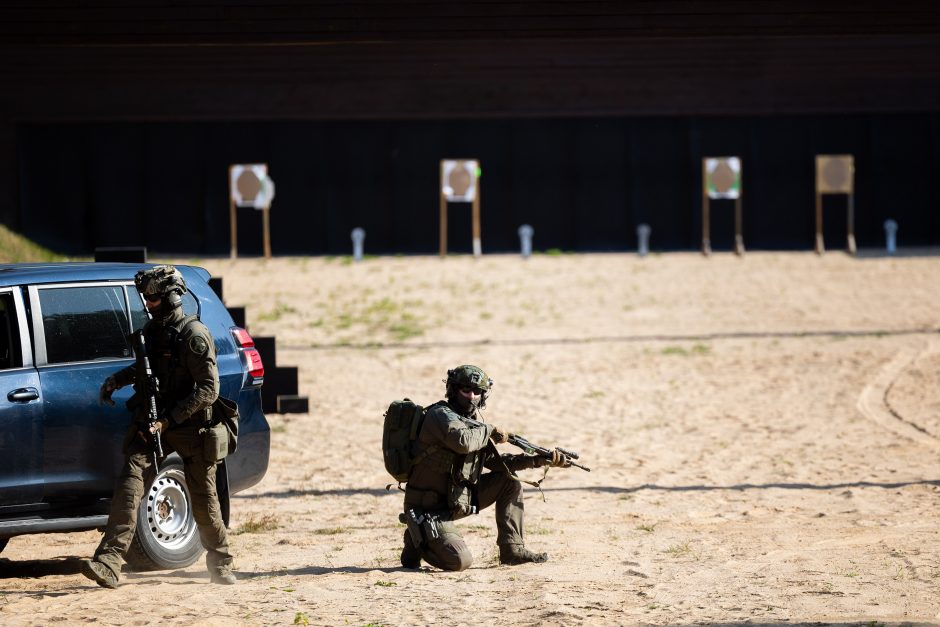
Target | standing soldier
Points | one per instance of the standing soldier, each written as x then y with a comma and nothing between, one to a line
447,482
182,356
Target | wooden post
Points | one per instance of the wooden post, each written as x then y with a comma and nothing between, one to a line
706,230
266,230
835,174
820,244
851,224
233,218
443,220
738,226
477,244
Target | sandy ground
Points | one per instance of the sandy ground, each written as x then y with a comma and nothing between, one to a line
764,435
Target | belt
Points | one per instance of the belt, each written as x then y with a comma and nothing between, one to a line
424,498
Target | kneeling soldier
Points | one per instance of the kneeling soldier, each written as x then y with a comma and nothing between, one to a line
448,483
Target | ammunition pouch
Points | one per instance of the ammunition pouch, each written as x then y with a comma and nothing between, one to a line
220,435
215,443
462,500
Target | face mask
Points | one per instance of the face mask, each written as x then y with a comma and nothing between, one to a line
466,405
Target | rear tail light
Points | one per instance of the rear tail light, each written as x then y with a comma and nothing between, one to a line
250,355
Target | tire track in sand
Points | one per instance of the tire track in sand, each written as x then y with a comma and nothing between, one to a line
873,401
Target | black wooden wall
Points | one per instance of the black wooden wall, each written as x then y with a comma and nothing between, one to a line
118,120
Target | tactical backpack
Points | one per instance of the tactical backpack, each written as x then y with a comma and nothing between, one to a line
403,421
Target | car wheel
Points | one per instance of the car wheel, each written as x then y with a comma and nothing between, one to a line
166,536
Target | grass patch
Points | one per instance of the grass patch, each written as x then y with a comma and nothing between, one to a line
379,316
14,248
268,522
301,618
280,310
696,349
385,584
646,528
679,550
330,531
408,328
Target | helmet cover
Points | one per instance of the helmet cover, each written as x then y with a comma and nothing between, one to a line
469,376
160,280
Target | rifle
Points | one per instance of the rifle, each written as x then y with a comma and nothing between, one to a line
148,386
528,447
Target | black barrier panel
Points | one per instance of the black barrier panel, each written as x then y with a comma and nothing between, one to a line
584,184
124,254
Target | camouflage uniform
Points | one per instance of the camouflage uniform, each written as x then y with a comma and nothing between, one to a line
182,356
448,484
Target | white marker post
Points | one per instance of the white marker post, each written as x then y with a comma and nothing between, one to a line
525,240
643,236
891,231
358,238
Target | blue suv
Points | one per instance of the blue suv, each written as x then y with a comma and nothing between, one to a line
63,329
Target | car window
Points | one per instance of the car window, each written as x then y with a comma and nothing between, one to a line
190,307
85,323
10,353
138,310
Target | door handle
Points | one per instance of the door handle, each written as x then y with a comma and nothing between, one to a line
23,395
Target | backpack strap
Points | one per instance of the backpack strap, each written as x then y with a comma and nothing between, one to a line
415,429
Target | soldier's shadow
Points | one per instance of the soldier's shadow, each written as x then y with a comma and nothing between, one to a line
319,570
10,569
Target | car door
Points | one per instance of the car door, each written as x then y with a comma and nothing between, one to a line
81,337
20,408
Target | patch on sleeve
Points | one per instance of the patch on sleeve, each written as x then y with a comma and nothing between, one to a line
198,345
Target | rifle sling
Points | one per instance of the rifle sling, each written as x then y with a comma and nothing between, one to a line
535,484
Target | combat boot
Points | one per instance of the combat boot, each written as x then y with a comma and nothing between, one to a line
410,556
99,573
513,554
222,575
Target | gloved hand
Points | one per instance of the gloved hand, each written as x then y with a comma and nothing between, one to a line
499,436
159,426
557,460
107,389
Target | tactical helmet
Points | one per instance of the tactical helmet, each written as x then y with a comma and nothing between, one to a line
163,280
470,376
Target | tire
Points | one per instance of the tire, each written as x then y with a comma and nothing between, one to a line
166,536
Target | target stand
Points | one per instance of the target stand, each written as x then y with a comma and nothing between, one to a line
460,182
